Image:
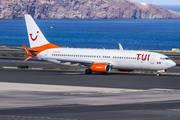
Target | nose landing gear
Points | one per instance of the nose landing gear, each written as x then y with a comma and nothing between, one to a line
159,72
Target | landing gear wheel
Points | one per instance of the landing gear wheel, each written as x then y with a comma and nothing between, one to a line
158,74
88,71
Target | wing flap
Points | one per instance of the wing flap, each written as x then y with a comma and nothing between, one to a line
82,62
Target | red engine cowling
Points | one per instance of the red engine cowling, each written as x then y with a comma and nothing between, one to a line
101,67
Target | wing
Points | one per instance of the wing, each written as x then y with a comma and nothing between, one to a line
80,62
120,47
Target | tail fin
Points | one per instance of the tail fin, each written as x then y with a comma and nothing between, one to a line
36,37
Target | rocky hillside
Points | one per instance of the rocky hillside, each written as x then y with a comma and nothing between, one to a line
83,9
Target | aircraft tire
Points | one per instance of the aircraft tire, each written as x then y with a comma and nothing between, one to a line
88,71
158,74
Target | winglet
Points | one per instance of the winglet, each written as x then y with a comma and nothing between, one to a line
120,47
27,52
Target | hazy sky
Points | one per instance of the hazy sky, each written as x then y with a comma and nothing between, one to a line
160,2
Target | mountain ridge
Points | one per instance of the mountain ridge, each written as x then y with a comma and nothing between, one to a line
83,9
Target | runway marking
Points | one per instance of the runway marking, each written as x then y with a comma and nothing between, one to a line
7,67
36,68
63,88
23,95
32,117
53,88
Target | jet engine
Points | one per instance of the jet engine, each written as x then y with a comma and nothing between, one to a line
101,67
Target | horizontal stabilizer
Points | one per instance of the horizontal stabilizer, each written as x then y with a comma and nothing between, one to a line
27,58
27,52
32,50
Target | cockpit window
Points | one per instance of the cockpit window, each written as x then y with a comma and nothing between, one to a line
162,58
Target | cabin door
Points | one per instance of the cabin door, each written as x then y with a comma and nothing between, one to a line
152,59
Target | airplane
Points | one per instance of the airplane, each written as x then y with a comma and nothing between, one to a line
95,60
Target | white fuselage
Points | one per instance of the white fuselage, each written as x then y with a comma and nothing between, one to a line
119,59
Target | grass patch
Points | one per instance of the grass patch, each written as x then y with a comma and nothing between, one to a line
10,47
18,55
13,54
175,59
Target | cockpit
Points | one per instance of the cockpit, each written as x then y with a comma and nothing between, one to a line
165,58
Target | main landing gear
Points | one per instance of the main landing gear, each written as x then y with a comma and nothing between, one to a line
158,74
88,71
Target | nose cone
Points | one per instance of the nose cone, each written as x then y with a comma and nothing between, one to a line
172,64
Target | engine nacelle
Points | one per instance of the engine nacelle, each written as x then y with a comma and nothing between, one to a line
101,67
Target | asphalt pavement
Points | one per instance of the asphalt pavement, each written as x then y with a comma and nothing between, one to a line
152,110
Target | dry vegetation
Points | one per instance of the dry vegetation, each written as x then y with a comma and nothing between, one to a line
175,59
7,47
13,54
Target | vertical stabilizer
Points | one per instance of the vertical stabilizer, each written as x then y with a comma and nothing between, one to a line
36,37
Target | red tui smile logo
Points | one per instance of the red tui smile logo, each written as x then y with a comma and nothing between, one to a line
33,39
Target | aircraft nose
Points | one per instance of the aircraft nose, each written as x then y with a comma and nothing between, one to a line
172,63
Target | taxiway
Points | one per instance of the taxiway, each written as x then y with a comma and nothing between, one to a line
72,95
